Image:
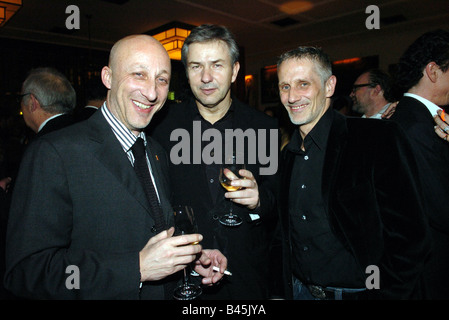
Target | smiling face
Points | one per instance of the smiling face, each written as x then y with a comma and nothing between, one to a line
302,92
211,73
138,78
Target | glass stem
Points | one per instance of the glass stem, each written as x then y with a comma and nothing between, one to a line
185,277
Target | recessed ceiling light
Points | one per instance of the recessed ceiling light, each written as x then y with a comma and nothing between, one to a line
295,7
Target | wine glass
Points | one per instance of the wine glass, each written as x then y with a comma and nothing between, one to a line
228,172
185,224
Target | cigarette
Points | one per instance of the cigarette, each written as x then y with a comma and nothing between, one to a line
218,269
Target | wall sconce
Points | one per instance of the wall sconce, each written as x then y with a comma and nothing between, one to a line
8,8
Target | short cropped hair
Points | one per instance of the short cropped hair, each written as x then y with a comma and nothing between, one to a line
315,54
52,89
383,79
431,46
208,33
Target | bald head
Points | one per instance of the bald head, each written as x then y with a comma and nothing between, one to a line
133,42
138,79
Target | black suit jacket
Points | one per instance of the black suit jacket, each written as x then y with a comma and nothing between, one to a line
77,201
245,246
373,203
57,123
432,154
85,113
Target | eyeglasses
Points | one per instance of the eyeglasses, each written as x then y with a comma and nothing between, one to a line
20,97
357,86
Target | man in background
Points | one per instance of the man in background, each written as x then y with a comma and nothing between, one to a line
371,94
423,76
95,97
48,101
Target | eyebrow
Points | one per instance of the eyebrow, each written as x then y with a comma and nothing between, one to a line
163,72
137,66
294,81
214,61
146,68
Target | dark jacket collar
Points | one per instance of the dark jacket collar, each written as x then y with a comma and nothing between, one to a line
107,149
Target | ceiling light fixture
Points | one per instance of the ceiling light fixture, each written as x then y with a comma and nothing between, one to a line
172,40
8,8
295,7
172,36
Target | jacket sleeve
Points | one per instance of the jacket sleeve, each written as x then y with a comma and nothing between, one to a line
405,227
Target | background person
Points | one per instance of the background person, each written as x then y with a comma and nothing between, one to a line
48,101
423,76
371,93
442,127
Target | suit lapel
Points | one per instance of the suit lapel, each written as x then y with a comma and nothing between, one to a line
107,149
335,145
161,183
285,176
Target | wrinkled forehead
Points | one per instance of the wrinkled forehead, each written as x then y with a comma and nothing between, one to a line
315,67
363,78
212,49
134,50
298,65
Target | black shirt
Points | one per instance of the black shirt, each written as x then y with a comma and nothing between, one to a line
212,170
318,256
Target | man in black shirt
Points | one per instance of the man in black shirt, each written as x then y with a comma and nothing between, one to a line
316,246
210,56
350,206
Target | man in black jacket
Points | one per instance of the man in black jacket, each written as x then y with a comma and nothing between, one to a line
210,56
424,77
78,203
48,101
350,206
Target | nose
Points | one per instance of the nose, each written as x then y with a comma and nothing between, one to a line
206,75
149,91
293,96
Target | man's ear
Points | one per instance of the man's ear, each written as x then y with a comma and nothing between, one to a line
106,77
330,86
431,71
34,103
235,71
377,90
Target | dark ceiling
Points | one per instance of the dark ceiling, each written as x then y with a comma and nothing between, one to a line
262,27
